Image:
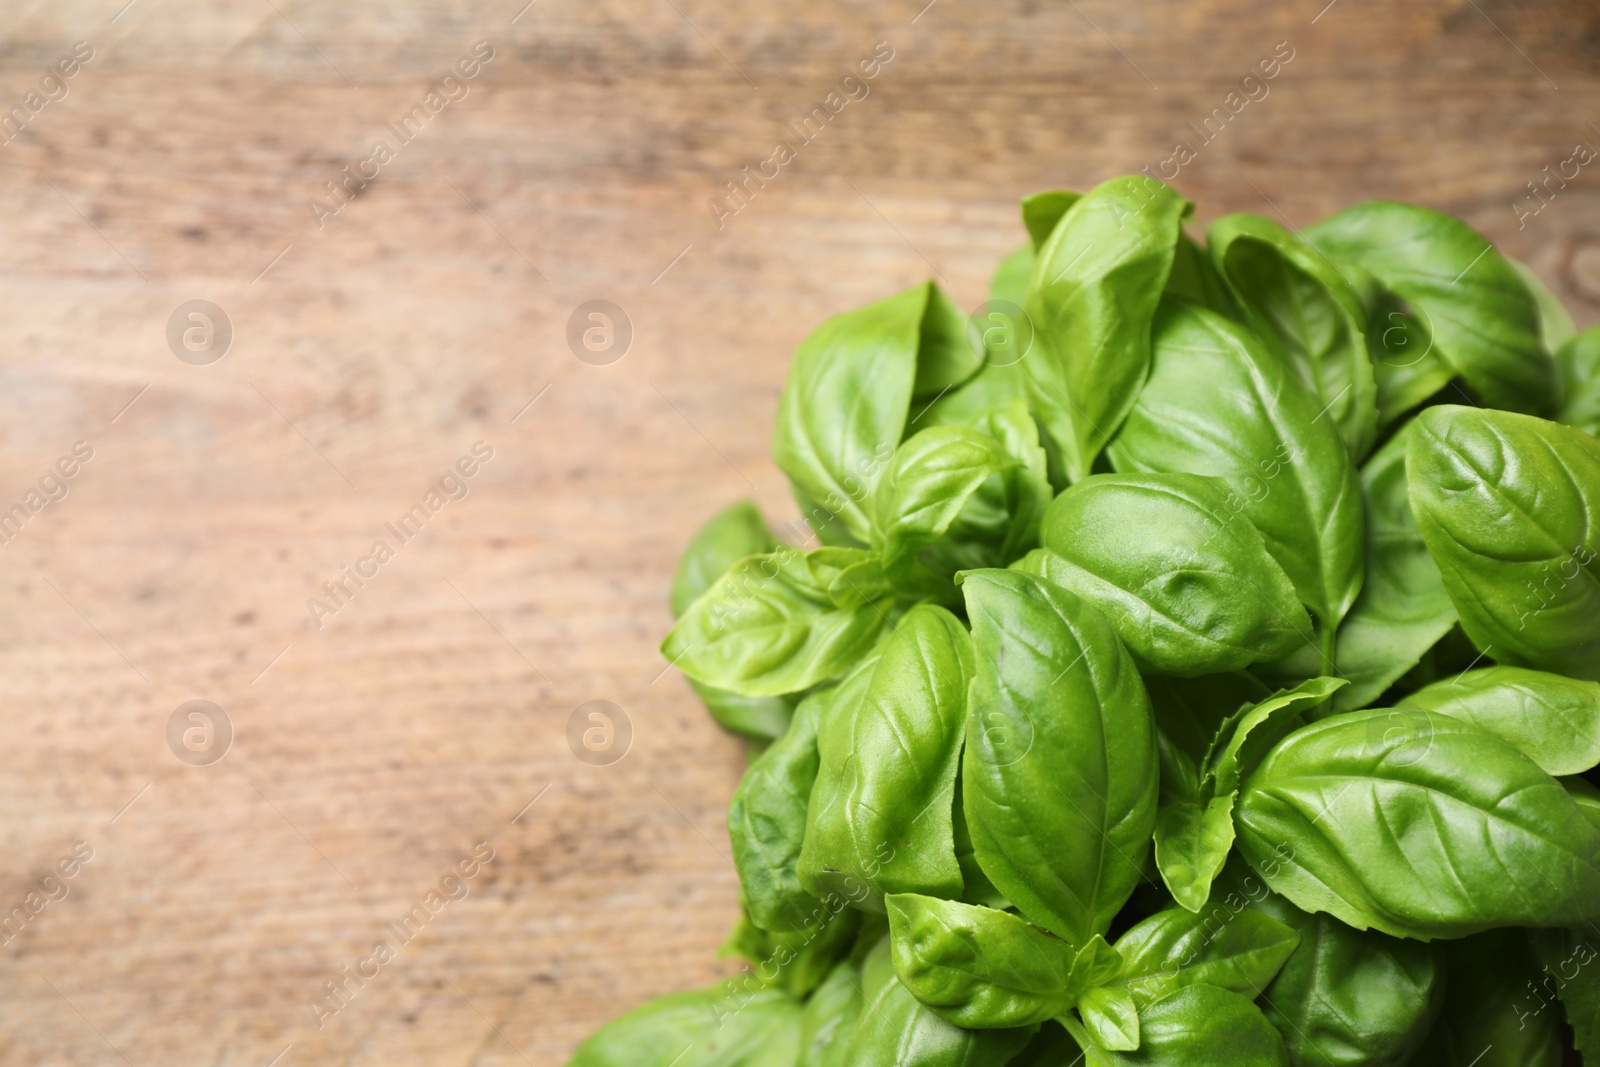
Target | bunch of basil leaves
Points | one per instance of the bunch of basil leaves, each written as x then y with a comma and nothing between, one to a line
1195,664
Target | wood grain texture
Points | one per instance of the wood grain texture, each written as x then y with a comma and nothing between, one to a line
428,712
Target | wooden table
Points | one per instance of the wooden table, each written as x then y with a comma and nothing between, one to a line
375,745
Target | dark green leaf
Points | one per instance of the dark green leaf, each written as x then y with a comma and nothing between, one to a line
1507,505
1297,296
1059,770
1094,290
1418,825
1194,277
880,811
1491,1016
1346,997
1556,327
1194,836
1221,402
1483,320
1189,586
1570,972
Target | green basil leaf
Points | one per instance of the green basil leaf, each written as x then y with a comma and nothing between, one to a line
845,405
1000,521
829,1016
1093,293
1192,842
1297,296
880,812
898,1030
1578,368
1059,770
769,626
732,534
1203,1026
1556,327
1260,727
945,357
1405,363
1220,402
976,967
794,960
1041,212
1350,998
1403,609
930,480
1193,836
976,887
729,536
1111,1018
1418,825
1554,721
1174,948
1567,958
1507,504
767,816
1484,321
762,718
1490,1017
1189,587
1194,277
705,1028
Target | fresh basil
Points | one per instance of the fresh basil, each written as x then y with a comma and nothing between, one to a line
879,818
1578,368
778,623
1221,402
1508,508
1059,770
1189,586
710,1028
1296,296
1483,320
897,1030
1177,675
1554,721
1418,825
1094,290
